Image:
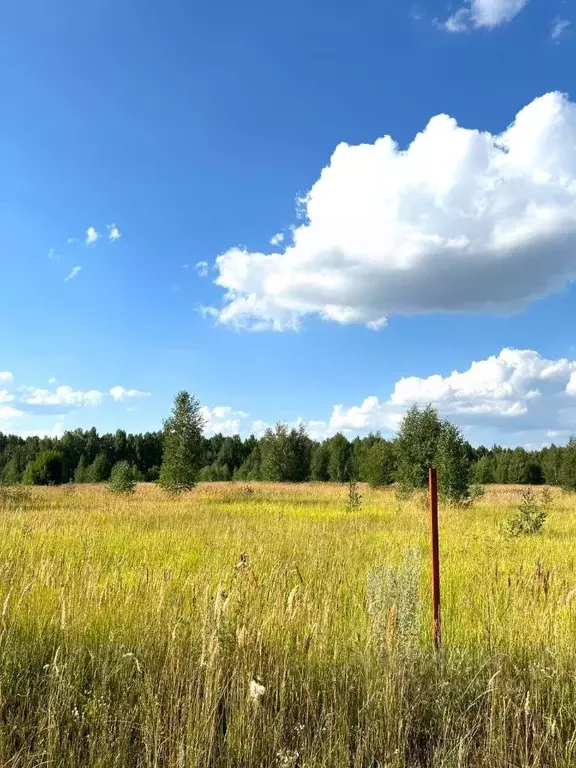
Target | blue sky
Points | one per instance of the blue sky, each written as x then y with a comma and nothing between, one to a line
201,131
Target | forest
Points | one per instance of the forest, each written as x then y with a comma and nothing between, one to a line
283,454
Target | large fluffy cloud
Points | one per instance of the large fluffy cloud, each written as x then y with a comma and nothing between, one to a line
516,396
514,392
460,221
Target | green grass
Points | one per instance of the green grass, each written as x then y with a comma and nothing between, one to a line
129,638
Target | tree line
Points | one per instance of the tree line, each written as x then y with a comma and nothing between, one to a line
180,455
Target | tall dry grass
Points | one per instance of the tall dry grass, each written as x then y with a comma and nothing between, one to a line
133,633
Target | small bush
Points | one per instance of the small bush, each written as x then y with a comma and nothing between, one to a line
122,478
530,516
354,497
46,469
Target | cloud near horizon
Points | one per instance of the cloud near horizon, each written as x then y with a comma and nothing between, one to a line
505,397
460,221
29,400
222,419
514,397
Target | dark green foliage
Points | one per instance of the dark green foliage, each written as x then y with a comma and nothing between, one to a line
285,454
122,478
250,469
483,470
530,515
215,473
551,463
452,464
232,454
522,469
319,463
567,474
11,473
46,469
81,473
152,475
378,463
99,470
416,447
501,465
339,453
89,457
182,457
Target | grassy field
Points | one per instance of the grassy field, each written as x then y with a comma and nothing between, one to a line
133,634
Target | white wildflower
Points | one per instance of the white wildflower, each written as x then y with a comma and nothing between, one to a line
257,690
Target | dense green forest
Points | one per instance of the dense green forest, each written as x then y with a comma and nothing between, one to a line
281,455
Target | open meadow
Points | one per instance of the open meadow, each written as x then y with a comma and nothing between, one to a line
133,633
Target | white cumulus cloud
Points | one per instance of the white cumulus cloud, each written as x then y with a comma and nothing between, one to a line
120,393
460,221
202,268
516,391
91,236
222,419
113,232
72,274
61,396
277,238
5,396
8,412
6,376
484,13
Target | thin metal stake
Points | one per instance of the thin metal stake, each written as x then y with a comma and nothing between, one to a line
435,558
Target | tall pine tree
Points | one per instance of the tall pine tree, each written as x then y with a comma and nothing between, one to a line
182,456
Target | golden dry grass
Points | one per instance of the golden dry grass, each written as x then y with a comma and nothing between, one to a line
129,638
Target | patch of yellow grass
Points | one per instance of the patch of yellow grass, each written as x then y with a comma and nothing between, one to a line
131,631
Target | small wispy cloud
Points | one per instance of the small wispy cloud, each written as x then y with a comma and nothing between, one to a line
73,273
52,380
458,22
113,232
416,13
6,376
202,268
72,240
207,311
52,255
120,393
91,236
185,266
559,28
277,238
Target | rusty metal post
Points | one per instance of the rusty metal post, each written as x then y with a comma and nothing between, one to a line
435,557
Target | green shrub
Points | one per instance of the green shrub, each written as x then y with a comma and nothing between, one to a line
46,469
122,478
530,516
